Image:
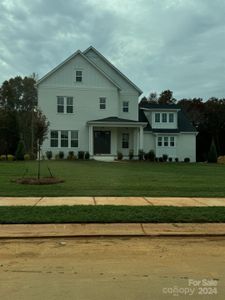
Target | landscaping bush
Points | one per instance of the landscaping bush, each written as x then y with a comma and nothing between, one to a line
146,156
212,155
3,157
156,159
221,159
151,155
56,156
170,159
165,157
20,151
49,155
131,154
80,154
26,156
187,160
176,159
87,155
119,155
10,157
71,155
61,154
161,159
141,154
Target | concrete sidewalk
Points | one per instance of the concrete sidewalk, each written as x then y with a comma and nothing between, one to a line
130,201
115,229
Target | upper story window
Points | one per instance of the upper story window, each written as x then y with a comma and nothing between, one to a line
125,106
125,140
164,117
102,103
79,76
65,104
157,117
171,117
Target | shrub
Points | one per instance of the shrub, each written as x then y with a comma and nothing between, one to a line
71,155
151,155
212,155
20,151
3,157
57,157
161,159
187,160
170,159
165,157
10,157
87,155
131,154
119,155
176,159
146,156
141,154
80,154
157,159
61,154
221,159
26,156
49,155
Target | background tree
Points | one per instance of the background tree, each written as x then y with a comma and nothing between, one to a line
166,97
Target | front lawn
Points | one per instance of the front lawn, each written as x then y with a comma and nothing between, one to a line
110,214
90,178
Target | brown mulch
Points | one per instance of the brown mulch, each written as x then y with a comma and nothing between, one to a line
41,181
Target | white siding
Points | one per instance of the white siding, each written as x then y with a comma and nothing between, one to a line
186,146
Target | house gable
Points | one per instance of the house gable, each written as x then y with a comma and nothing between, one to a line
117,76
64,74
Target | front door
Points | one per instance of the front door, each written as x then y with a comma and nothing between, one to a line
102,141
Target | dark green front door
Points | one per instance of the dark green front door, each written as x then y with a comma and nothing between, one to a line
102,142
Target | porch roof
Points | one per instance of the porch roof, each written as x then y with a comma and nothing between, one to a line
115,121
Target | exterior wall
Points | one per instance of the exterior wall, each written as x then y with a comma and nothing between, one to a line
149,142
186,146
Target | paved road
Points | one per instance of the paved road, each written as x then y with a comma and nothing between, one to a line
112,268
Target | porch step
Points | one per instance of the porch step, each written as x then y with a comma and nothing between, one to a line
103,158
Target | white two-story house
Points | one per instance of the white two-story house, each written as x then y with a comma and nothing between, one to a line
92,106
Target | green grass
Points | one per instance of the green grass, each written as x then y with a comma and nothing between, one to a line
90,178
110,214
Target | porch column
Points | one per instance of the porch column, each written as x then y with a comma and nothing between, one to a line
91,139
141,138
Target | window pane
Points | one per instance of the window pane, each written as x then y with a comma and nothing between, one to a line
74,143
69,109
60,104
172,141
125,140
102,103
54,138
171,118
69,100
125,106
159,141
164,117
74,138
60,100
78,76
157,117
54,134
64,138
166,141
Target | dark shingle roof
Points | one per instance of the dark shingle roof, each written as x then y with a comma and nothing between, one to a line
184,125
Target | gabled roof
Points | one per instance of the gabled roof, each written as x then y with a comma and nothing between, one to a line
113,67
157,106
184,124
114,120
78,52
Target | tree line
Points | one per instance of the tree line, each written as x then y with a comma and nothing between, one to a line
207,116
22,125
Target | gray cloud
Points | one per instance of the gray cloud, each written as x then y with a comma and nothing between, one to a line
167,44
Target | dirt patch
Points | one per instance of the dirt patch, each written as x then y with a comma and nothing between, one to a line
40,181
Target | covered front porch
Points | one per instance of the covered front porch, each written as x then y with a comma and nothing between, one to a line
111,135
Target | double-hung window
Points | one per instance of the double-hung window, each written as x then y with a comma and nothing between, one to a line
60,104
157,117
54,136
69,105
164,117
172,141
125,106
64,105
159,141
64,138
171,117
74,138
102,103
125,140
79,76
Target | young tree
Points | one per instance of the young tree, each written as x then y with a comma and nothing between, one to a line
212,155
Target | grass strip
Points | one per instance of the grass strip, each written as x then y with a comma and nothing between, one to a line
110,214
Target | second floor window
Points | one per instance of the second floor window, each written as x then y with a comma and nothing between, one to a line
157,117
164,117
65,104
125,106
102,103
171,118
79,76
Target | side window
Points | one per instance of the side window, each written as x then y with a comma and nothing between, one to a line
54,136
159,141
164,117
157,117
125,106
171,118
74,138
79,76
125,140
60,104
69,105
102,103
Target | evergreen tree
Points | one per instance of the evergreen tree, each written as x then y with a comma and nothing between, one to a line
212,155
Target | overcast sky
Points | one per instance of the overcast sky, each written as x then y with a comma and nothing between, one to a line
159,44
